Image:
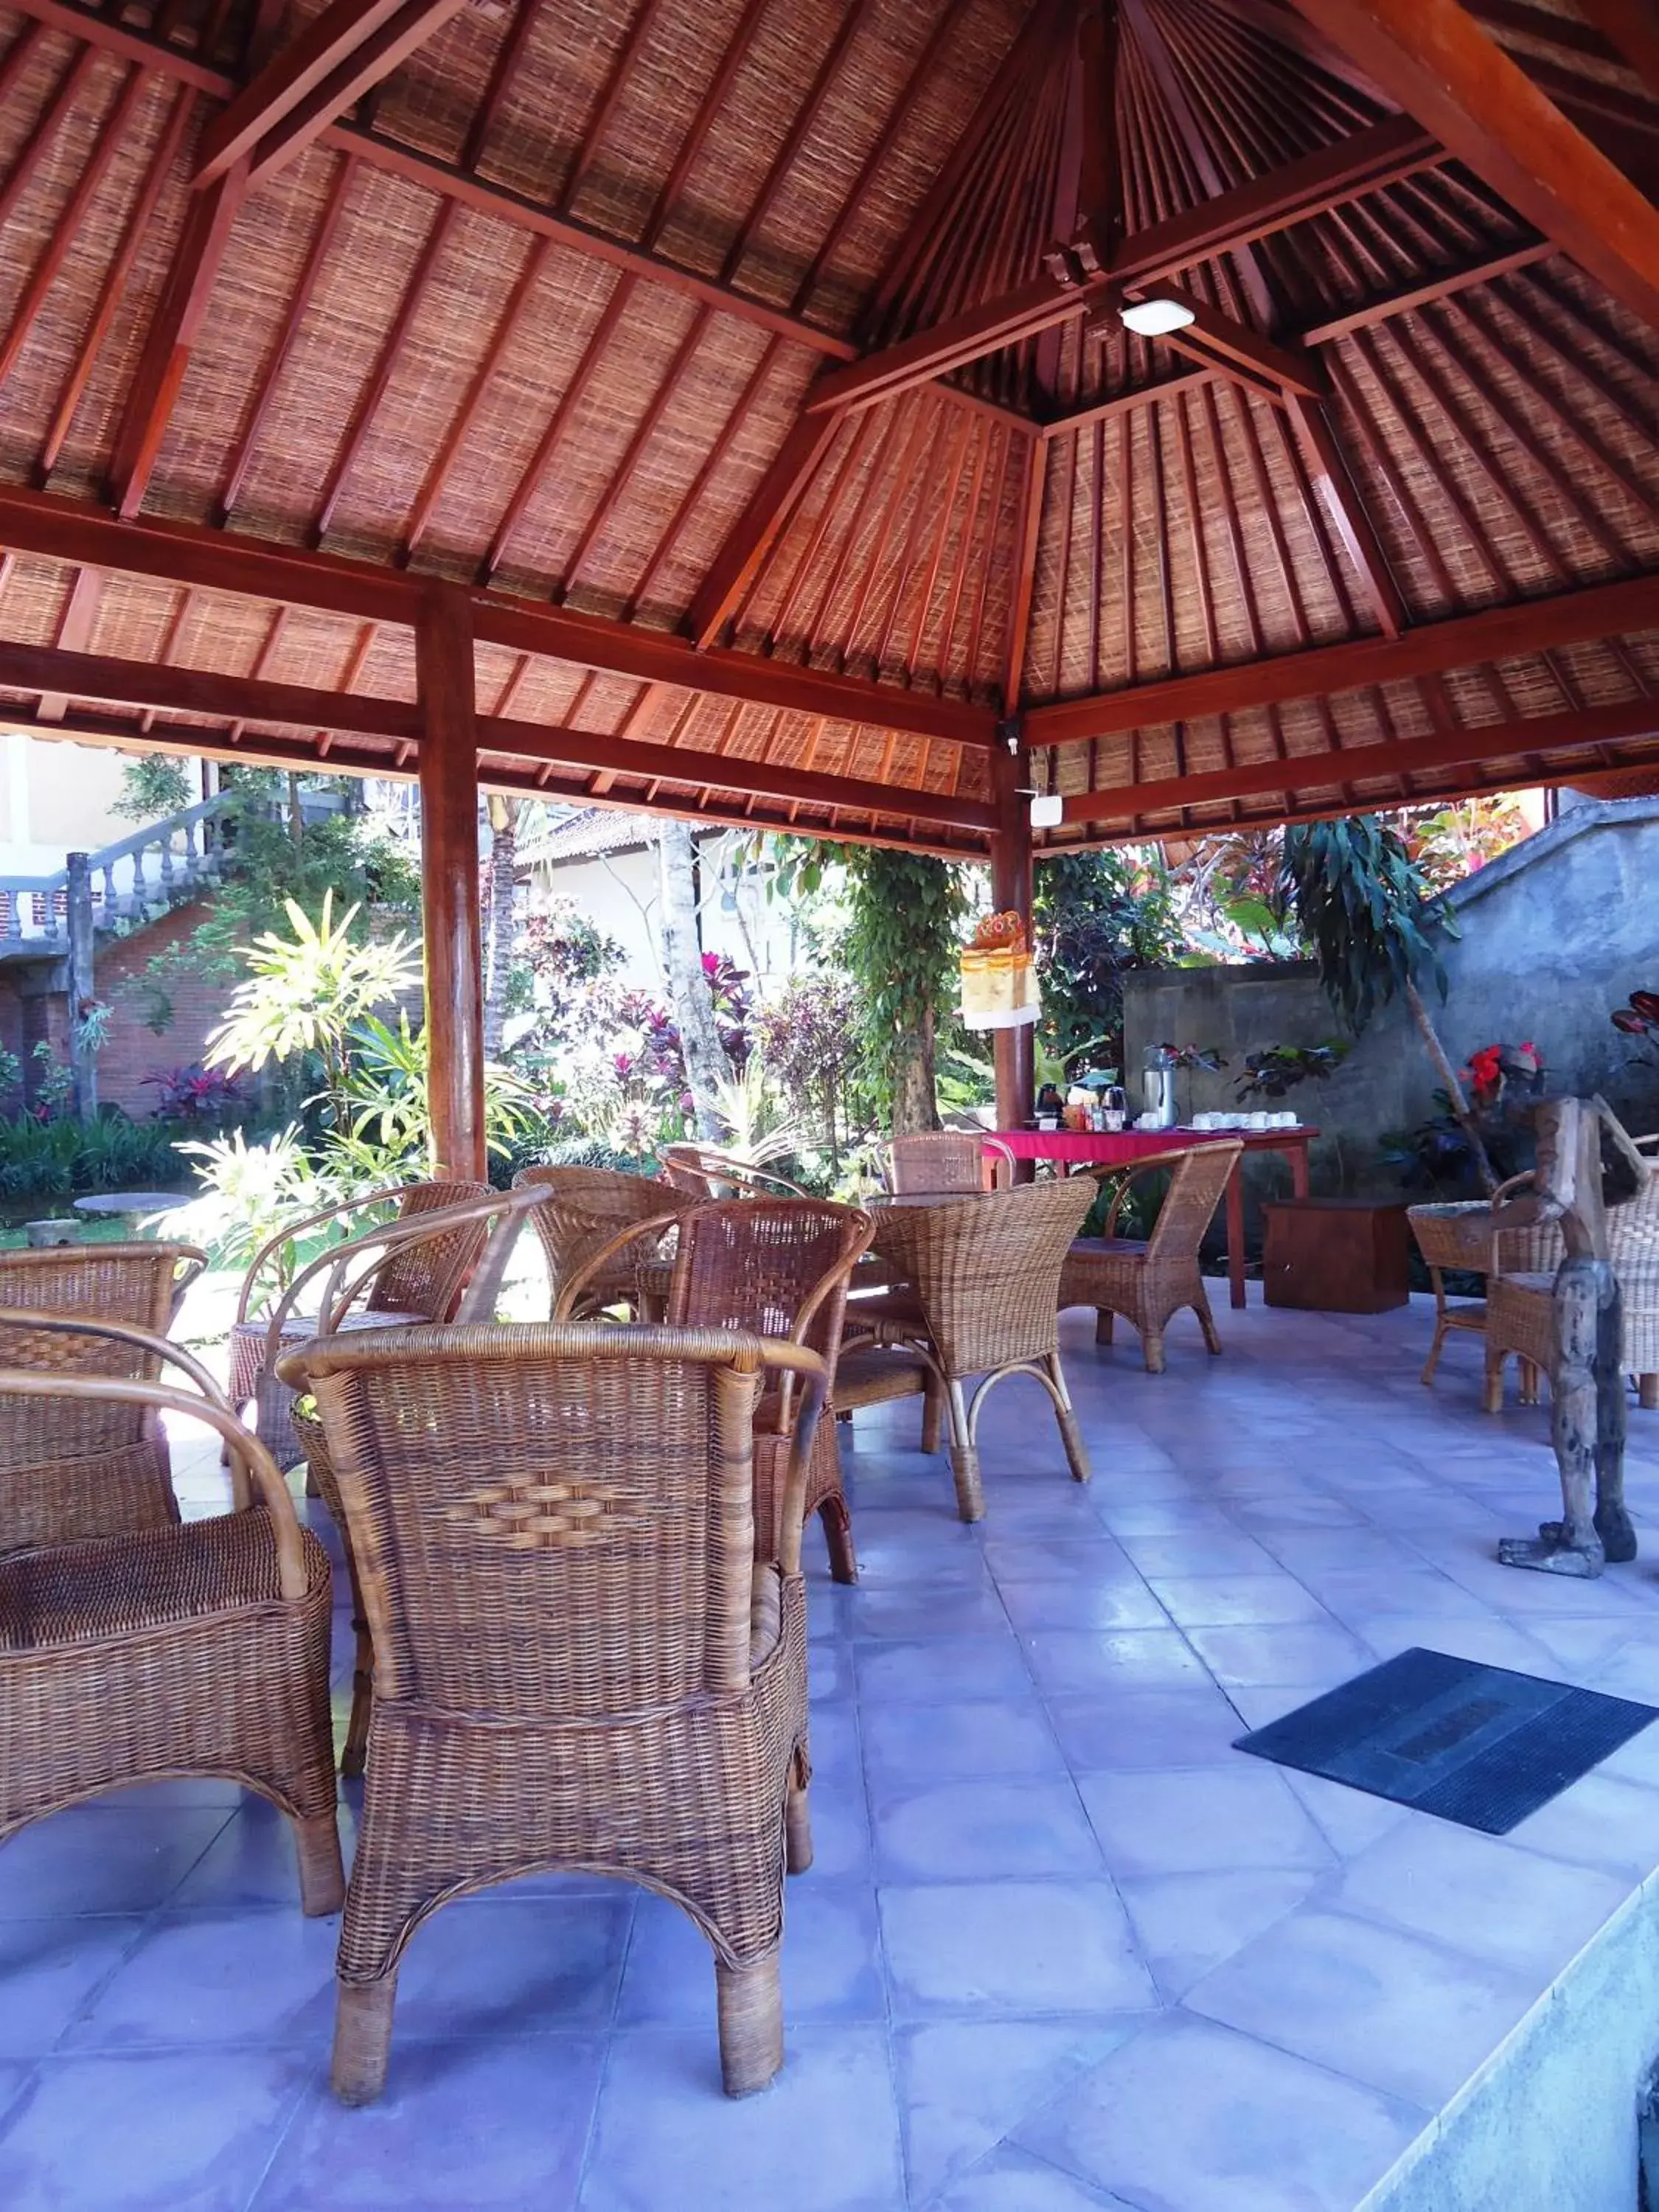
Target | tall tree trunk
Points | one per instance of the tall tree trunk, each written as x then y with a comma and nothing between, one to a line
689,994
1454,1089
915,1101
498,944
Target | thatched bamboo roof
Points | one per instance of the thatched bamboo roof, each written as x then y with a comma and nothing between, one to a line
757,367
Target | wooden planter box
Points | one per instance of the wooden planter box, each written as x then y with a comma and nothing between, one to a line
1336,1255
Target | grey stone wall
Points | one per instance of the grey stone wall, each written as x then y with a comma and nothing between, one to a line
1555,933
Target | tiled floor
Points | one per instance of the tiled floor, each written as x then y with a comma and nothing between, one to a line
1062,1948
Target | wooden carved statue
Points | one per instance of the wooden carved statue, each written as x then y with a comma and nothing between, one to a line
1587,1384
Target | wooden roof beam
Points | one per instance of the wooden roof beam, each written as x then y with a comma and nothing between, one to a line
1632,28
1312,185
1519,628
1332,480
1322,771
223,560
756,529
62,676
1237,351
352,45
1436,61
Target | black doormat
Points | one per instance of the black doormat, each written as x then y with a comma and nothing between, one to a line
1478,1745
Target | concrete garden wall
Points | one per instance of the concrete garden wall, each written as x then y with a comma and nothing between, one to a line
1555,933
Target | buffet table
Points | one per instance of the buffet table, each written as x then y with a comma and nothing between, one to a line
1122,1147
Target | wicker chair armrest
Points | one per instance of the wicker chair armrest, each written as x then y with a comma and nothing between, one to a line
1126,1171
299,1228
803,1368
192,1265
1501,1197
655,1224
122,1391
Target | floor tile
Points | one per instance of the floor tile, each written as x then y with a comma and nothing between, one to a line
1198,1552
1123,1603
251,1861
1189,1923
1030,1949
1233,1601
912,1673
214,1980
906,1745
1201,1823
823,2138
90,1859
1076,1662
49,1969
1010,2180
1262,1656
963,2084
1411,2019
1189,2116
965,1831
831,1967
185,2132
1145,1728
492,2127
515,1965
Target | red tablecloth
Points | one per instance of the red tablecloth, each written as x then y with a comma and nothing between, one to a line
1104,1148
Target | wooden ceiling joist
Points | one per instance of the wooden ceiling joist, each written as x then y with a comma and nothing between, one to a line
211,559
1525,626
352,45
1576,732
1444,69
62,676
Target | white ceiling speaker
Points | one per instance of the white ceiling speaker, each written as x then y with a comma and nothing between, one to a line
1155,319
1048,810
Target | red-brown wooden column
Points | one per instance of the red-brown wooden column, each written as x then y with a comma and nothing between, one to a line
449,881
1010,888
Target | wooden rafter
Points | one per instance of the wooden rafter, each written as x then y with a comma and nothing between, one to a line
1581,730
213,560
1332,480
1632,28
352,45
165,356
1437,62
1522,627
755,531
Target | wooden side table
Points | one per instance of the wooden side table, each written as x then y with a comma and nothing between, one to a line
1336,1255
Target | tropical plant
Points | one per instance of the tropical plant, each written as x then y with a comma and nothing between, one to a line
1367,909
388,1124
304,993
813,1039
1639,1018
247,1193
904,914
1097,916
1278,1068
66,1158
152,785
757,1129
197,1094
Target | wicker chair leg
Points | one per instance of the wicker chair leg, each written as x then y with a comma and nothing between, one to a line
1104,1319
322,1875
1492,1396
837,1523
1076,1454
750,2023
797,1823
964,1456
354,1751
933,1415
1433,1360
1206,1322
362,2039
1529,1382
1151,1346
1647,1393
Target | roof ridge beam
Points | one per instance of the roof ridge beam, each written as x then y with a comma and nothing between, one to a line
1517,628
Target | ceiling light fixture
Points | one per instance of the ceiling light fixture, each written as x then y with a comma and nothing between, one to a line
1048,810
1155,319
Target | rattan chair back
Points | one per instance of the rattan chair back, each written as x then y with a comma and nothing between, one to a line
775,1267
942,1160
986,1271
549,1521
426,1286
704,1173
585,1211
74,1465
1197,1186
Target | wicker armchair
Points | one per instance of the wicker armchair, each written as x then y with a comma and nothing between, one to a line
71,1466
939,1161
419,1283
1148,1282
1459,1235
398,1242
585,1209
581,1663
778,1268
703,1173
980,1280
199,1648
1520,1306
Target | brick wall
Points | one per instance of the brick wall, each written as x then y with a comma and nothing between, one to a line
132,1050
